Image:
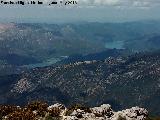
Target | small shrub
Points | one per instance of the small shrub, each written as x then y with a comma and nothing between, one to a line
49,117
22,115
38,106
153,118
75,107
121,118
5,110
53,118
54,112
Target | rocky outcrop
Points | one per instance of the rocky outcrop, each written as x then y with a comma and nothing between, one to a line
104,112
134,113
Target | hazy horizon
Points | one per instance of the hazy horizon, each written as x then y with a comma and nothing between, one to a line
86,10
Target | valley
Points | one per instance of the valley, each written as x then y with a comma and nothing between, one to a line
87,63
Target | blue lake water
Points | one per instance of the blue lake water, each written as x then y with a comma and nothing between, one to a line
115,44
110,45
44,64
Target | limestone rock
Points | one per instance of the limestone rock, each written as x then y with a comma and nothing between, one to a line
103,110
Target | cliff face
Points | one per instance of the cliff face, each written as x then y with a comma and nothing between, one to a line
40,111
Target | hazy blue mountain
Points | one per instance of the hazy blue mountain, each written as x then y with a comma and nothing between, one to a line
32,43
95,56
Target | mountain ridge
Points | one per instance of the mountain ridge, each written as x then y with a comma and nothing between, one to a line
122,82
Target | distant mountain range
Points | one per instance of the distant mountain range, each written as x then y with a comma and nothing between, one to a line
23,44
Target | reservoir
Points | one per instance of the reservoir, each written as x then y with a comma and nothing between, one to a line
115,44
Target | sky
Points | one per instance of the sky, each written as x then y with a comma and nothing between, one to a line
84,10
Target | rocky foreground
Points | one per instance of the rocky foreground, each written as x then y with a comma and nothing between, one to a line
41,111
104,112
